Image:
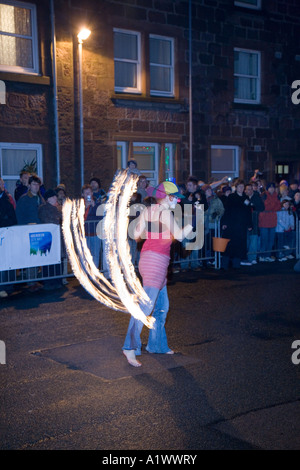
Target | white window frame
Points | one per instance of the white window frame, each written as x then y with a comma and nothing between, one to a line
248,5
231,173
14,146
124,158
258,77
171,67
34,41
136,89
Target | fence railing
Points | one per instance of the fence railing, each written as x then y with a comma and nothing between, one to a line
181,259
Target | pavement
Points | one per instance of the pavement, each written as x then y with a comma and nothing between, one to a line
232,384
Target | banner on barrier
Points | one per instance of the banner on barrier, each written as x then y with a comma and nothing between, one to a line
28,246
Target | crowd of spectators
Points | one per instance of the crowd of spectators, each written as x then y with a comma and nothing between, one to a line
258,218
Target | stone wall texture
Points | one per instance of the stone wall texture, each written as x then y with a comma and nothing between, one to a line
266,133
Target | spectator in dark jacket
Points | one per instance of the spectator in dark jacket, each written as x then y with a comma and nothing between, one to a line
27,213
7,211
190,199
257,206
296,205
22,185
235,224
7,219
27,205
50,213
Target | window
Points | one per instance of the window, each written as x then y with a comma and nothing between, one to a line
18,37
161,66
254,4
148,157
246,76
127,57
14,157
224,161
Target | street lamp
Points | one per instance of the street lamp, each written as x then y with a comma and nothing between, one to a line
82,35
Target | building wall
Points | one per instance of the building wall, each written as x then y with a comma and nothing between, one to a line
27,115
110,117
266,132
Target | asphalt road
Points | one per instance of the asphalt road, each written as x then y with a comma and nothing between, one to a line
231,384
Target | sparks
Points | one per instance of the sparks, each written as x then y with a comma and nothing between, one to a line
125,293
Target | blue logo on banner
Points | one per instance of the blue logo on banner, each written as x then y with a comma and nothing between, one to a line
40,243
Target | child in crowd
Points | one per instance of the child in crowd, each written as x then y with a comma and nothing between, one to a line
285,233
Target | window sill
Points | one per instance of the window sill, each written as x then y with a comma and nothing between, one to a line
25,78
257,106
148,102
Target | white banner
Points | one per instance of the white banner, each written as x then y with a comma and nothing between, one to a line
26,246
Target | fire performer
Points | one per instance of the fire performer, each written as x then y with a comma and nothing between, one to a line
160,226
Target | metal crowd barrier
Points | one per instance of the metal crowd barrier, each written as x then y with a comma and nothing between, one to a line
181,259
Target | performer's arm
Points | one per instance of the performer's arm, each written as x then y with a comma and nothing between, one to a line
178,233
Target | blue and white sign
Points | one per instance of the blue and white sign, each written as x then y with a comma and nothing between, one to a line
27,246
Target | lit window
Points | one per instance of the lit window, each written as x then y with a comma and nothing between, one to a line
224,161
127,57
246,76
161,66
148,156
18,38
16,157
254,4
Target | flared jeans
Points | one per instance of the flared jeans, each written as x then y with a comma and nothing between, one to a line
157,341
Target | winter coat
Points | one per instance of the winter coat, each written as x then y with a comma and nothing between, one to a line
285,221
7,211
91,220
268,218
237,219
257,206
49,214
214,212
27,209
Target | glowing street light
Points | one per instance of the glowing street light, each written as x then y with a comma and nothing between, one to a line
83,34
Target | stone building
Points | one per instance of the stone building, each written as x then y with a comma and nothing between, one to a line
143,95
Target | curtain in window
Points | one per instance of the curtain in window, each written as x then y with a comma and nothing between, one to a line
246,65
14,160
14,49
126,49
160,64
125,75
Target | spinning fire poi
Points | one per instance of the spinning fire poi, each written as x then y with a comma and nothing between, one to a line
125,292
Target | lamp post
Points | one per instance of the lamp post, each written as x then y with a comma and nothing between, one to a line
82,35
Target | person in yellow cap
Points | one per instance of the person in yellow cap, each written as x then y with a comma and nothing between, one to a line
158,223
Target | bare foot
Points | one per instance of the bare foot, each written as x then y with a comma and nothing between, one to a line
130,356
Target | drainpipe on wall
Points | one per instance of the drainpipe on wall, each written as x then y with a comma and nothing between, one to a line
55,97
80,112
190,88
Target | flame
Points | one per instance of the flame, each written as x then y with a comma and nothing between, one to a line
125,293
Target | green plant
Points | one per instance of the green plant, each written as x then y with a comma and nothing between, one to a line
30,167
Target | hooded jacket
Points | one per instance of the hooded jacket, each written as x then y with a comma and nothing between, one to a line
268,218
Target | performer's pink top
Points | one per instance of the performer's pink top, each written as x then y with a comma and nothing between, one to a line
155,256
